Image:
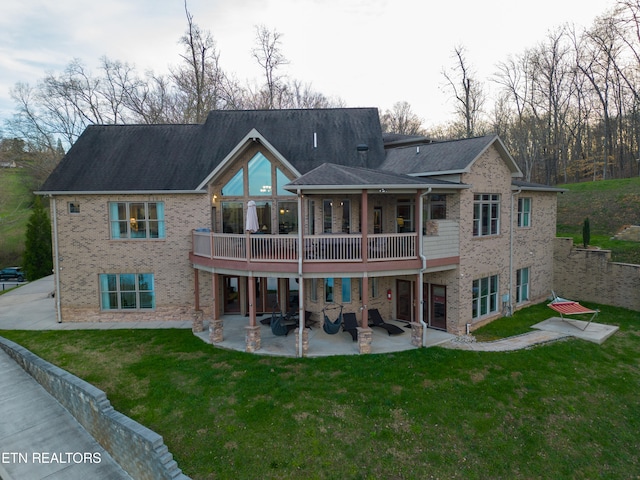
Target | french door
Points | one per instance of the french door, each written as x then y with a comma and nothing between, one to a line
403,300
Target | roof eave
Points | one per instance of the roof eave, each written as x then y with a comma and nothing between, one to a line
118,192
253,136
533,188
382,187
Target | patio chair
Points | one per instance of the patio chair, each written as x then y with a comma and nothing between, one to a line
308,321
569,307
375,320
350,325
332,327
292,314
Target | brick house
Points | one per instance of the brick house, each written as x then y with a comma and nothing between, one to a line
150,223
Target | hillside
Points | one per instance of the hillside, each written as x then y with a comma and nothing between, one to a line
609,205
15,208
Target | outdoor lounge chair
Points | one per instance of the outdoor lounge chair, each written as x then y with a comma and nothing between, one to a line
569,307
350,325
332,327
375,320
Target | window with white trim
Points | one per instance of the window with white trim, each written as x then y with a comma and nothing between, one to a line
346,290
485,296
127,291
486,214
522,285
524,212
136,220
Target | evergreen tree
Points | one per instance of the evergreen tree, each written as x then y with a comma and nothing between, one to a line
586,233
38,261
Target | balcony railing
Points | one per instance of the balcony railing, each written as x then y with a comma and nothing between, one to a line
316,248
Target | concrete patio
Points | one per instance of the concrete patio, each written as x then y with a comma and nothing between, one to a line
321,344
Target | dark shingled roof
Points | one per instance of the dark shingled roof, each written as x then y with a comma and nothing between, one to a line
329,175
540,187
454,156
179,157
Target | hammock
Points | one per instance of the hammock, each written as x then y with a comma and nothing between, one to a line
569,307
277,327
332,327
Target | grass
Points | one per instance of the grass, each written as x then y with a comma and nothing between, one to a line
569,409
15,208
610,205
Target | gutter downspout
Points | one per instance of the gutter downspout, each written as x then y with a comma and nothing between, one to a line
423,268
56,257
300,279
510,312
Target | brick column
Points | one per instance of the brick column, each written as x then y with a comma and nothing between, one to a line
416,334
305,340
365,337
252,337
215,330
198,322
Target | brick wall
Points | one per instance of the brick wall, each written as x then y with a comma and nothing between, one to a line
590,275
485,256
85,250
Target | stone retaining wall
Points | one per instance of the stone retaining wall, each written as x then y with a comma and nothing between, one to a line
630,234
590,275
138,450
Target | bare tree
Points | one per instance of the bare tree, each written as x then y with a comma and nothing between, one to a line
467,91
598,51
199,77
400,119
269,56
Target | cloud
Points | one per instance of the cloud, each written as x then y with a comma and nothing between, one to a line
368,52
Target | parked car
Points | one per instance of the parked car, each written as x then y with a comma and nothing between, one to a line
12,274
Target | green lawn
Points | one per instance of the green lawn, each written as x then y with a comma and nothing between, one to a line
15,204
570,409
609,205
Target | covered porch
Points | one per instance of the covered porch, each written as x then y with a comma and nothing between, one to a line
321,344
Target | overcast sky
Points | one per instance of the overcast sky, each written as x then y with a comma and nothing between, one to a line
367,52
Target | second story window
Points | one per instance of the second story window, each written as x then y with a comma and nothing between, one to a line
486,214
435,208
404,216
524,212
327,216
136,220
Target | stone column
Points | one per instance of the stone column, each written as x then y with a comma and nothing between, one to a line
365,337
416,334
215,330
198,322
305,340
252,337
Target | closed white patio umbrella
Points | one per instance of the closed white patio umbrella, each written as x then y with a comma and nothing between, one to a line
252,217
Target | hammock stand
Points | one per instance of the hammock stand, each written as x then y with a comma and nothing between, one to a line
332,327
569,307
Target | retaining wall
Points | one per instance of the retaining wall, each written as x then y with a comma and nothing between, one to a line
590,275
138,450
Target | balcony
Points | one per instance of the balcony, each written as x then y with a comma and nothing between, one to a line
337,248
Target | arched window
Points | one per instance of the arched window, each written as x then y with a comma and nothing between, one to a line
259,176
